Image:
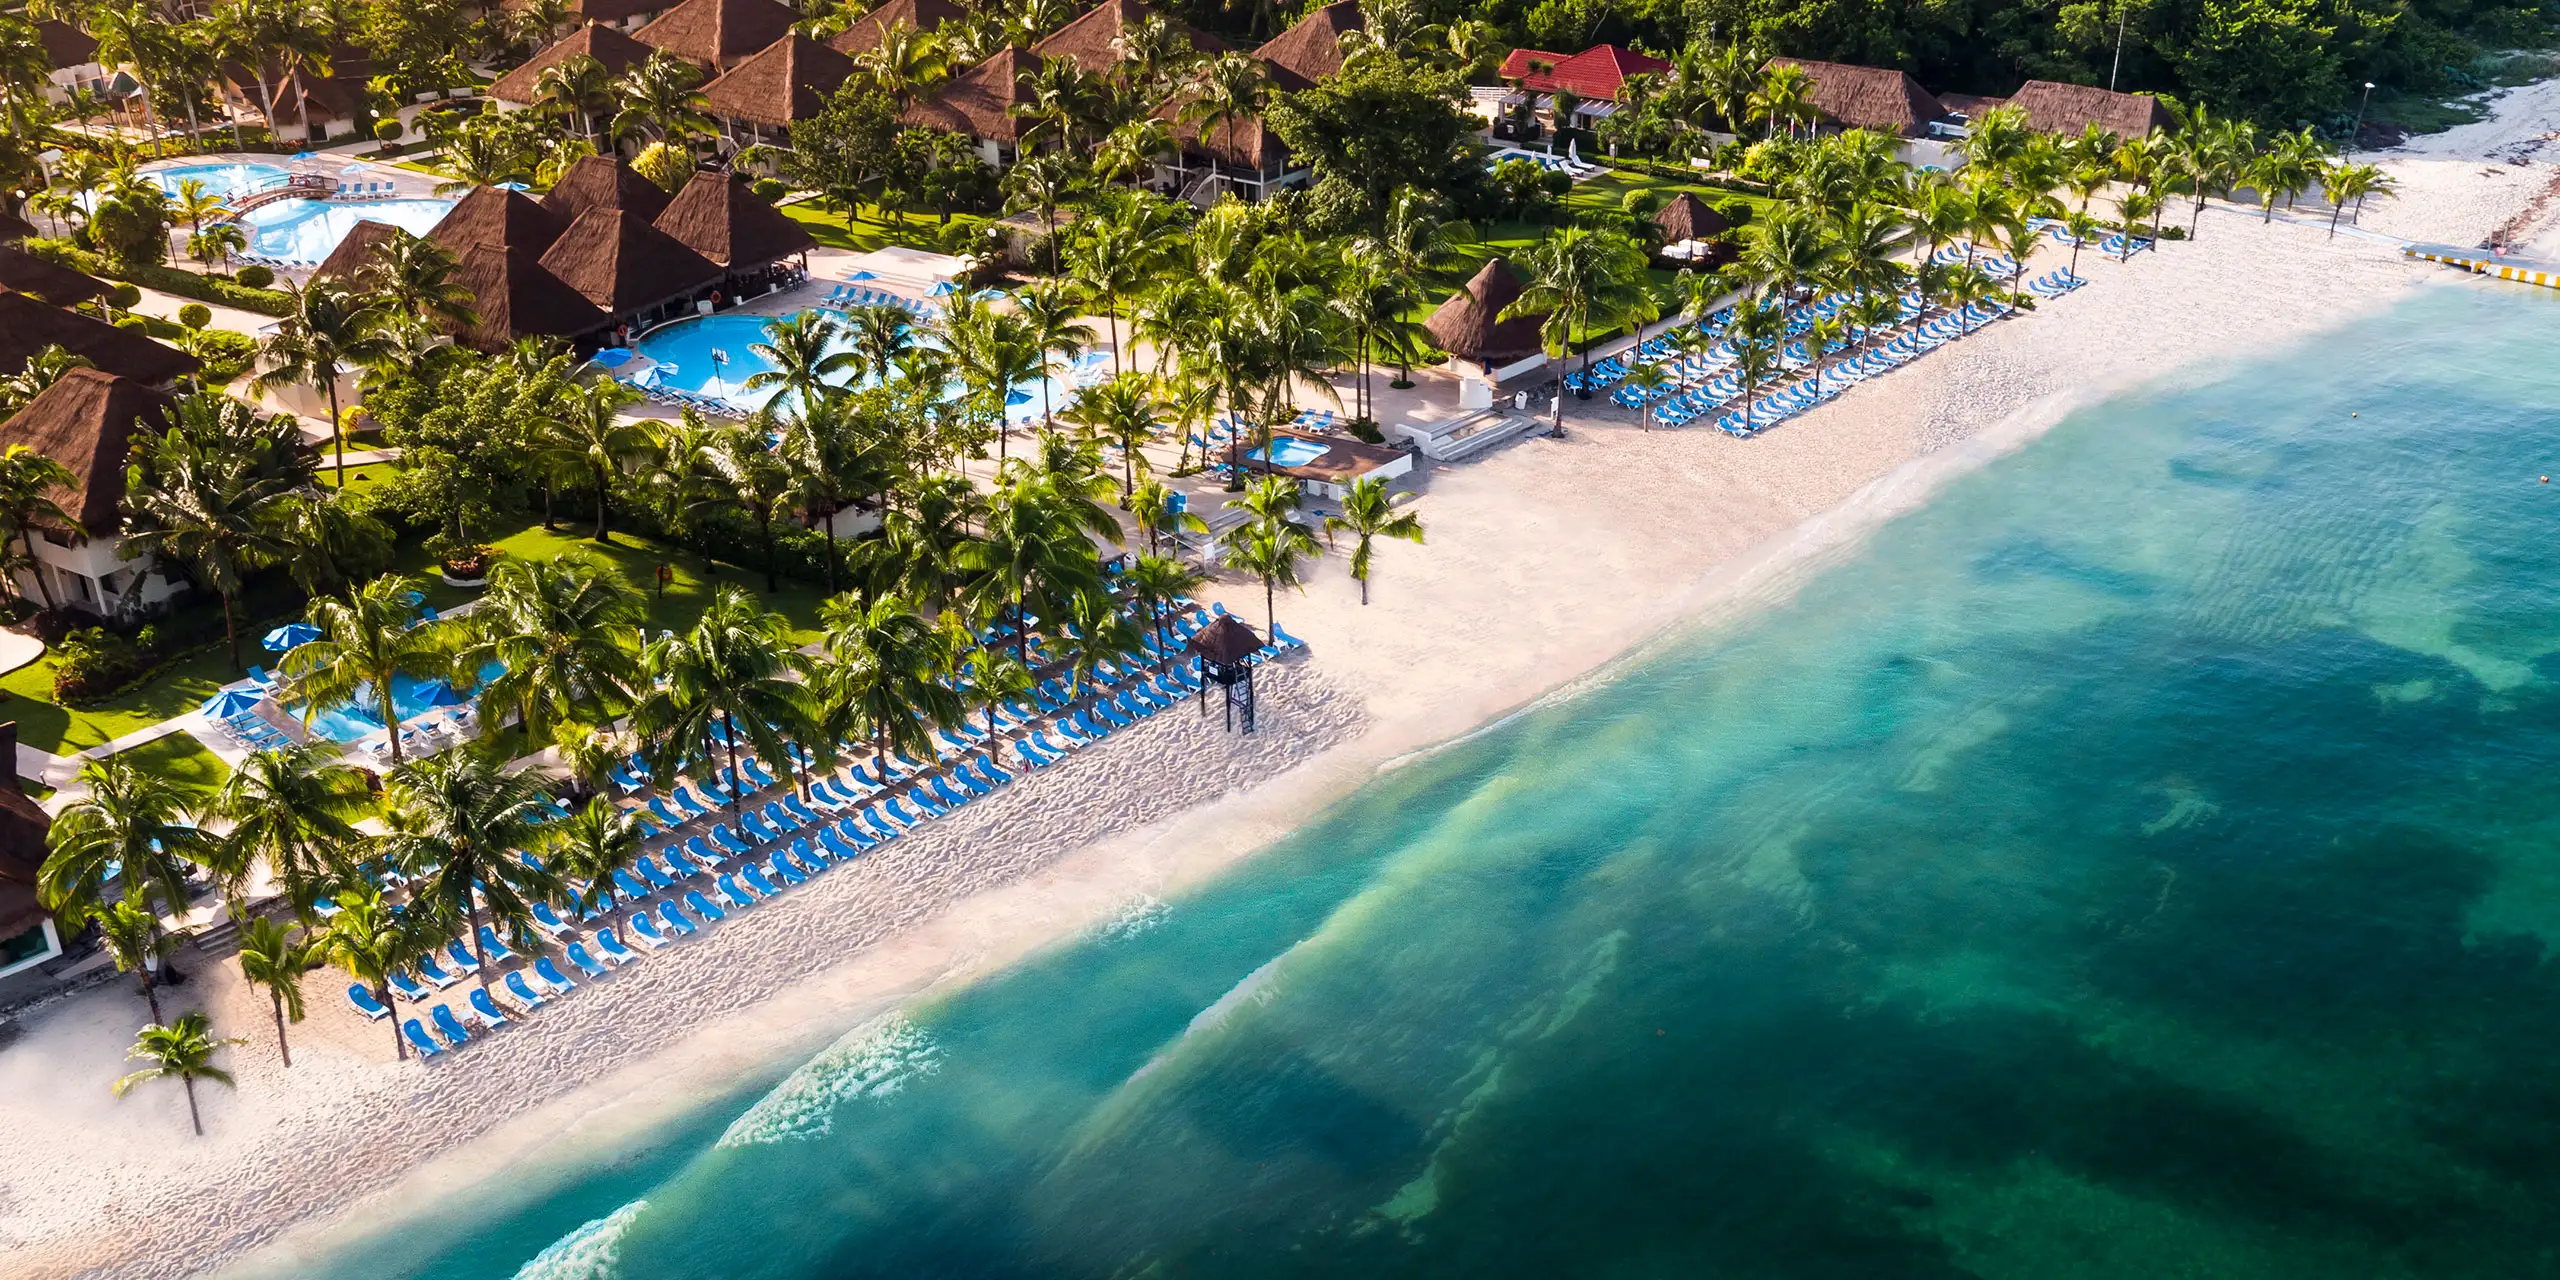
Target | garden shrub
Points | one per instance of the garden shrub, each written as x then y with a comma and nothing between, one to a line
195,315
256,277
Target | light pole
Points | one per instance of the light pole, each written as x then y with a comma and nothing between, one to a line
2358,128
2123,8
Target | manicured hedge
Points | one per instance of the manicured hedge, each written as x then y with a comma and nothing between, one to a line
186,284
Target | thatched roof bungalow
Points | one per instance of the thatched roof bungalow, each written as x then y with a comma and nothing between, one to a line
1877,98
720,218
28,326
718,34
924,17
1311,49
514,297
28,936
1469,326
355,250
786,82
87,421
603,182
979,103
627,267
499,219
1687,217
1244,154
2071,108
612,49
1095,42
14,228
50,281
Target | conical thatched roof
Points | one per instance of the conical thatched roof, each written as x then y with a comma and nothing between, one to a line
51,281
616,51
923,17
785,82
2072,108
499,219
980,101
717,216
28,326
355,250
1093,42
1312,48
1689,218
14,228
515,298
602,182
718,33
85,421
1469,324
622,264
1226,640
1877,98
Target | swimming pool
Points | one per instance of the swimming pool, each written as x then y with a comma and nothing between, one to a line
712,356
410,697
233,179
1290,451
302,232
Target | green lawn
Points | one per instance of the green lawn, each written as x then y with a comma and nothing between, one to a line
181,759
28,699
695,578
357,476
868,228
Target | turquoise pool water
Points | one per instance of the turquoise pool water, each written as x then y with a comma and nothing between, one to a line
1289,451
304,231
2139,862
410,697
220,179
689,346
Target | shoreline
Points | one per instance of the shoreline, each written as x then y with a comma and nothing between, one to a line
1552,564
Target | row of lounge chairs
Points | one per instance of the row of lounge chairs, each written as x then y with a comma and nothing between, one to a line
671,397
847,296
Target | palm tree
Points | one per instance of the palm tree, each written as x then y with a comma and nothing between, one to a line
1161,514
801,350
131,830
2082,229
2342,183
1042,182
218,244
2132,207
373,940
994,350
195,202
271,956
1784,98
1821,338
331,328
1036,545
368,642
480,155
134,939
883,669
566,630
1578,280
661,100
1756,329
585,439
578,88
296,808
1123,411
591,844
726,679
1156,583
29,482
1048,310
878,336
456,823
759,479
1112,262
182,1051
1268,544
1066,101
1368,514
905,63
413,276
1096,631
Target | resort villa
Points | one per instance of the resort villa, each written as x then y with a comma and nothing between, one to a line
717,35
923,17
612,49
71,59
786,82
86,421
1590,82
1243,157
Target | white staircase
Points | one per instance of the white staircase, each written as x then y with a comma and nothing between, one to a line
1468,434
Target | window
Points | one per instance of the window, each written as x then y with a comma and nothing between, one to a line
28,949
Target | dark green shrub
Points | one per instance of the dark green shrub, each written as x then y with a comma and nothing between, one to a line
195,315
254,276
386,129
125,296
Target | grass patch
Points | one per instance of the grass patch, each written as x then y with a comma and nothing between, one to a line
695,581
26,695
182,760
358,476
867,228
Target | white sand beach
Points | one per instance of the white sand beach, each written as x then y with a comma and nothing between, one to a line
1546,560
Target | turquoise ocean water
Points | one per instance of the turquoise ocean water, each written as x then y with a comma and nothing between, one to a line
2138,862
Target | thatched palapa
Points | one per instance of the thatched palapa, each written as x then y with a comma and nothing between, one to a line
51,281
28,326
624,265
1226,641
85,421
65,46
2071,108
1470,324
602,182
924,17
498,219
980,101
1311,48
1689,218
24,826
1877,98
786,82
514,297
356,250
615,51
1244,143
1095,42
718,34
720,218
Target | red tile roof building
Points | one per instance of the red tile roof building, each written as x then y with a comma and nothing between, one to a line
1594,75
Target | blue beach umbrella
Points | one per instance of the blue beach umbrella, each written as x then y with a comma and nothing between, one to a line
436,693
291,635
943,289
860,275
1013,398
612,357
513,186
229,703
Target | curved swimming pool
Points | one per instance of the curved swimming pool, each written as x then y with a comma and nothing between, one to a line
231,179
302,232
713,356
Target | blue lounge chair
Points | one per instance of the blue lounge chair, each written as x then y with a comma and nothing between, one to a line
492,948
986,768
755,773
764,884
449,1026
782,820
913,802
693,805
1032,755
727,839
969,782
700,851
463,960
487,1008
942,791
419,1039
587,965
548,921
683,863
676,920
792,805
844,840
657,876
429,970
628,779
644,929
523,990
667,814
628,885
365,1003
549,972
757,830
611,946
808,855
703,906
409,990
737,897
